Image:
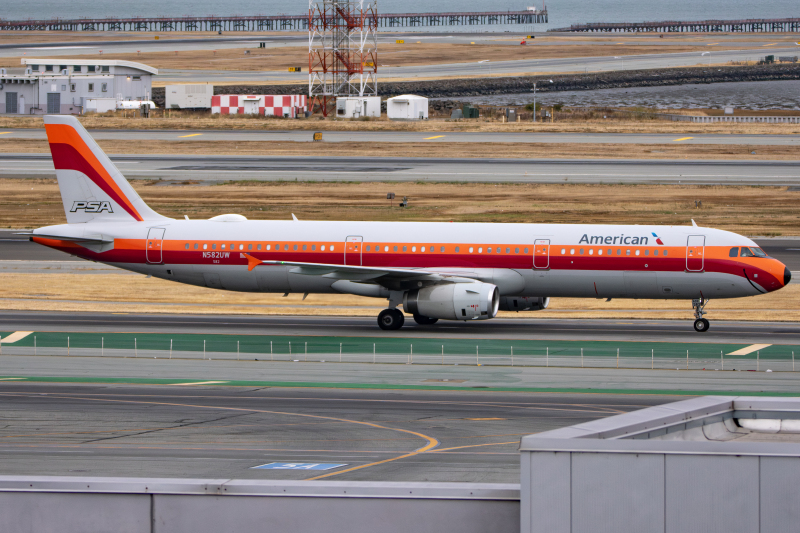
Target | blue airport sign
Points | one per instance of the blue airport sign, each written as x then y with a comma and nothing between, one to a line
300,466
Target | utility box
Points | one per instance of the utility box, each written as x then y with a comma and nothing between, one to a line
728,110
511,114
358,106
99,105
470,111
407,107
188,96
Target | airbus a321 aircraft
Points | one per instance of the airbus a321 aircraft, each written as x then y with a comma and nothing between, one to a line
435,271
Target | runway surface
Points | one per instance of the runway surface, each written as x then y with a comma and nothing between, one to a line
492,68
417,137
496,170
526,328
215,432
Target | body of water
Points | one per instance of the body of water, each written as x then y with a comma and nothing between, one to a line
561,12
743,95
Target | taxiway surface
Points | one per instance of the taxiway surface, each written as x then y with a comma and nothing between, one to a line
415,137
495,170
224,432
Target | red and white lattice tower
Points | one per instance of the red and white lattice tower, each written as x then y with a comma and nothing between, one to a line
342,50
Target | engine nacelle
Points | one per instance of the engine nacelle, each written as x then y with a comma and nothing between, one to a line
524,303
454,301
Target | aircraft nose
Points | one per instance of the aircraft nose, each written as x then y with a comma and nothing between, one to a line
787,275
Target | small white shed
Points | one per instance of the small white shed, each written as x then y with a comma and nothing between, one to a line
407,107
358,106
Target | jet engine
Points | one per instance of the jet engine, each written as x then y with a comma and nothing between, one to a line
454,301
524,303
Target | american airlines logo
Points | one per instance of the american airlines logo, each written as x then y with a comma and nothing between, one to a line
216,255
92,207
615,239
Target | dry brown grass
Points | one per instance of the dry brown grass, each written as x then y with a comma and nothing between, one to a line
430,149
199,122
746,210
113,293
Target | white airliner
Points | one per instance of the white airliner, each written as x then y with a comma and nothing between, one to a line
433,270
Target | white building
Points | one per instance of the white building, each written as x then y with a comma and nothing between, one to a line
358,106
407,107
193,96
56,86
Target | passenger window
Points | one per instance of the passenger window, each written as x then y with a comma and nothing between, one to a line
647,252
195,246
367,247
610,251
322,248
258,247
413,249
619,252
581,251
655,252
222,247
637,252
305,247
268,247
591,251
405,248
457,249
563,251
572,251
233,246
213,246
508,251
331,247
395,248
470,249
628,251
665,252
599,251
441,249
286,247
516,250
526,250
250,247
734,252
314,247
480,250
385,248
205,247
489,250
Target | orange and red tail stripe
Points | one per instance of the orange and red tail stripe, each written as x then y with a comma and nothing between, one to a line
70,152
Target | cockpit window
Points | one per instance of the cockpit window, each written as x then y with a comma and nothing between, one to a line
746,252
758,252
753,252
734,252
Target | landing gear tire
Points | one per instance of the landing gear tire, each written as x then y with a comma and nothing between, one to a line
424,320
701,325
390,319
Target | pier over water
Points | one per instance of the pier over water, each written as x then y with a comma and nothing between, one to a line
697,26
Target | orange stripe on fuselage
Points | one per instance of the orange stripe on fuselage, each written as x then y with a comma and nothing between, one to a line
65,134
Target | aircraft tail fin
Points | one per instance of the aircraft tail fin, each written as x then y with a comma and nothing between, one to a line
92,188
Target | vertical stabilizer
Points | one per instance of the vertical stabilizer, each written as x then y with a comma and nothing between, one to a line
92,188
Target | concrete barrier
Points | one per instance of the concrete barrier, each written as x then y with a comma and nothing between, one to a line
729,118
39,504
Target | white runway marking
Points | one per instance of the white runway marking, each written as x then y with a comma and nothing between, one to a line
14,337
750,349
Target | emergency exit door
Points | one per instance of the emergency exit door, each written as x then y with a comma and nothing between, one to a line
155,239
541,253
695,251
352,250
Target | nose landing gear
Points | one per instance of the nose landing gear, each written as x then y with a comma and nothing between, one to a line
701,324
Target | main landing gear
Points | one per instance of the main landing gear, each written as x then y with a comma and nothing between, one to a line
700,324
391,319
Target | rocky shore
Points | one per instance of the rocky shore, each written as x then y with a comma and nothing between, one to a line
449,88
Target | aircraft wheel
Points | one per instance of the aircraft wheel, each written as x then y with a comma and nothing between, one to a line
390,319
701,325
424,320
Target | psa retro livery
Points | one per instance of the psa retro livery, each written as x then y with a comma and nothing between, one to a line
433,270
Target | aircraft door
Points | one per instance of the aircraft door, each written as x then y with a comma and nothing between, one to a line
695,252
541,254
155,238
352,250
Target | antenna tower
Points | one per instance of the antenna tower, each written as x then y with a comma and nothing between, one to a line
342,50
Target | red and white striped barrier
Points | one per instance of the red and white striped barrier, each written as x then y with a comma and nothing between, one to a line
277,105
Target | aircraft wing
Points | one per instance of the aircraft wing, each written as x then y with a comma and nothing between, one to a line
378,275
